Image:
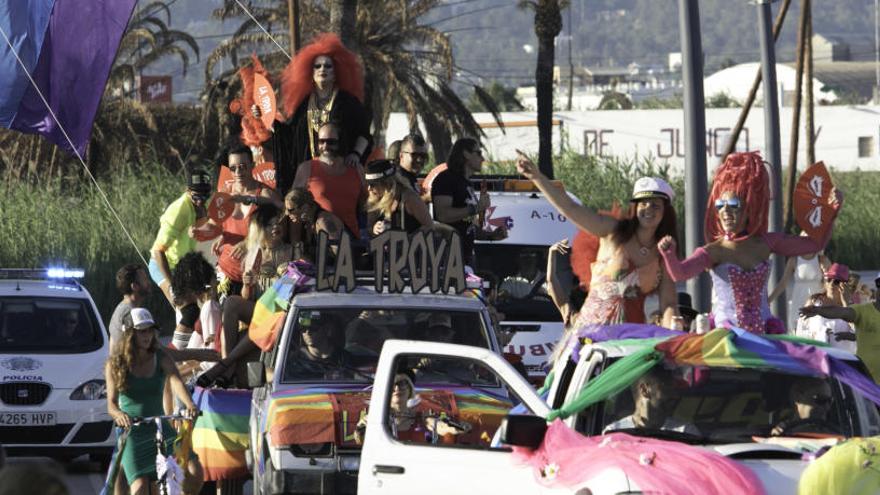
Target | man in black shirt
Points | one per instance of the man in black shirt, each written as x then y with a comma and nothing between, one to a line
412,158
455,201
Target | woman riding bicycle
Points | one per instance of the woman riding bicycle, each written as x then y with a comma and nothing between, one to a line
136,378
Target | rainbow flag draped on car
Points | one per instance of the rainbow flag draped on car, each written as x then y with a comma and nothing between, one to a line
271,307
220,437
722,347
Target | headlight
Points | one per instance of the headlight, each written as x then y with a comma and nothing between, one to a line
90,390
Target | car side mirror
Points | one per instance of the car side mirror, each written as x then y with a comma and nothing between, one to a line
523,430
256,374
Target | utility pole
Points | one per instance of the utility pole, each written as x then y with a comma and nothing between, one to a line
877,51
772,151
796,117
808,87
570,62
293,25
696,189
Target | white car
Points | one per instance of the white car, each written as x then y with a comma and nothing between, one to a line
533,226
53,347
730,411
304,416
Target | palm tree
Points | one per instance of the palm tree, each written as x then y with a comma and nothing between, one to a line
548,24
146,40
407,64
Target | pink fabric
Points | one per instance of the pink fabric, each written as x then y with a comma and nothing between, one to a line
749,288
568,459
689,268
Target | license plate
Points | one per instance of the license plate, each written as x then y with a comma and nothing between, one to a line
27,419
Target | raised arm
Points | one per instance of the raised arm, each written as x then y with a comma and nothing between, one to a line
687,269
830,312
790,245
582,216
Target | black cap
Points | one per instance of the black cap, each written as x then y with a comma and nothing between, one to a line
199,181
379,169
685,305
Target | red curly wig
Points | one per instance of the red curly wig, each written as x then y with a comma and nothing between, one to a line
745,175
297,82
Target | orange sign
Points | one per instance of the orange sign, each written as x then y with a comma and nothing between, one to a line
221,207
264,96
811,209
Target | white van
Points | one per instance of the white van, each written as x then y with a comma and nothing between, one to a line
533,226
53,346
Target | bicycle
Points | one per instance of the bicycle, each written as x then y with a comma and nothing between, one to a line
170,474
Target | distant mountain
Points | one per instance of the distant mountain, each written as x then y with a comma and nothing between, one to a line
492,37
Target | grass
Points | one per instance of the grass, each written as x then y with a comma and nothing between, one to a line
64,222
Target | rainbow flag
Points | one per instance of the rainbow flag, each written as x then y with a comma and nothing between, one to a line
272,306
220,436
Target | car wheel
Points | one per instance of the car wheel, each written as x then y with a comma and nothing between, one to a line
103,460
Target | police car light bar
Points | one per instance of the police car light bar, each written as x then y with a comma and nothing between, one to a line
65,273
41,273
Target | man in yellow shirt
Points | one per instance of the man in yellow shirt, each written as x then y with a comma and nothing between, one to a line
175,237
866,318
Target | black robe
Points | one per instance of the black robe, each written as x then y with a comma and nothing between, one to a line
290,145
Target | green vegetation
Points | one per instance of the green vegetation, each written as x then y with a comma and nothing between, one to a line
65,222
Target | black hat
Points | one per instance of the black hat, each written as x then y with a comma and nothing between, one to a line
379,169
685,306
199,181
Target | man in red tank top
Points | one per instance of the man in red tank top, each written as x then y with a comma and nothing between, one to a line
337,187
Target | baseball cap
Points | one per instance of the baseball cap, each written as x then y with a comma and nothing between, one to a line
378,170
652,187
440,320
138,318
837,271
199,181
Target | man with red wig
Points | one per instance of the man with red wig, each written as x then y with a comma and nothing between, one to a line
324,82
738,246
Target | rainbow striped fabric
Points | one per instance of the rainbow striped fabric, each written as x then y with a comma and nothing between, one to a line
319,415
272,306
220,437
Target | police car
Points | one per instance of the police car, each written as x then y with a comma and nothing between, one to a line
53,346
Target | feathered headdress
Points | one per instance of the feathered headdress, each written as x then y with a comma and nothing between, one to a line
746,176
296,80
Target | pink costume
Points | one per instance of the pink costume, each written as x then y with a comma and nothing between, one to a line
739,296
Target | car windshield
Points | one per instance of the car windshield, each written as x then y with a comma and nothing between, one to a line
47,325
726,405
343,344
522,280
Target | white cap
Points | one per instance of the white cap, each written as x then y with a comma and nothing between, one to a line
652,187
141,318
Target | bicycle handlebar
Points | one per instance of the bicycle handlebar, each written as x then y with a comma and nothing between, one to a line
136,420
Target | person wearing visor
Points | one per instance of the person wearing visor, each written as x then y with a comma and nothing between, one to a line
319,354
628,267
136,377
738,251
175,236
390,205
865,318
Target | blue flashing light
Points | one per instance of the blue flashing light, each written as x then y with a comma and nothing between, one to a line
65,273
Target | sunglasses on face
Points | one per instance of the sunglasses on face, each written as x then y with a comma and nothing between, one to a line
236,168
417,155
322,66
199,197
820,400
329,141
732,203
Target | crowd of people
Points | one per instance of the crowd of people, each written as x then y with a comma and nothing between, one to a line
212,260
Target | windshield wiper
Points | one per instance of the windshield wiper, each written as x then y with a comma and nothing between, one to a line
681,436
335,367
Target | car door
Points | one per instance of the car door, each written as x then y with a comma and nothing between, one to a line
393,467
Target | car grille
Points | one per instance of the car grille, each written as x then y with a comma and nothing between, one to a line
24,393
10,435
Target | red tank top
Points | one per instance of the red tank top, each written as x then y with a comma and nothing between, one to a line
338,194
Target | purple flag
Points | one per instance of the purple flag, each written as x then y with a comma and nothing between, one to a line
72,69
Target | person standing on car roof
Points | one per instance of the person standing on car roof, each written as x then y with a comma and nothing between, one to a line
455,201
628,268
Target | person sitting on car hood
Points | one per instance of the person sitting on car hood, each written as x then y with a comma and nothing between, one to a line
653,396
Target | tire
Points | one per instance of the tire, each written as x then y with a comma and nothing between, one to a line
103,460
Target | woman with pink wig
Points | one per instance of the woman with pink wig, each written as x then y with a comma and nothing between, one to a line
323,83
738,249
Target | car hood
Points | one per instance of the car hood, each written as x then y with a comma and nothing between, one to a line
62,371
310,415
778,467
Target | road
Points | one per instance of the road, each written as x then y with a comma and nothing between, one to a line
81,476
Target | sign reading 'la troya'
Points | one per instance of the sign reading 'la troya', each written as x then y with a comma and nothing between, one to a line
419,260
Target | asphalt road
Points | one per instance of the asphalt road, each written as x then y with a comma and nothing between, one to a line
80,476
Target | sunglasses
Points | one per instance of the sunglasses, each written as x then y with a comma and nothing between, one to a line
199,197
329,141
820,400
732,203
416,154
322,66
236,168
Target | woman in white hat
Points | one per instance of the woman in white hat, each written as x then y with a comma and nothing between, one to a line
628,267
